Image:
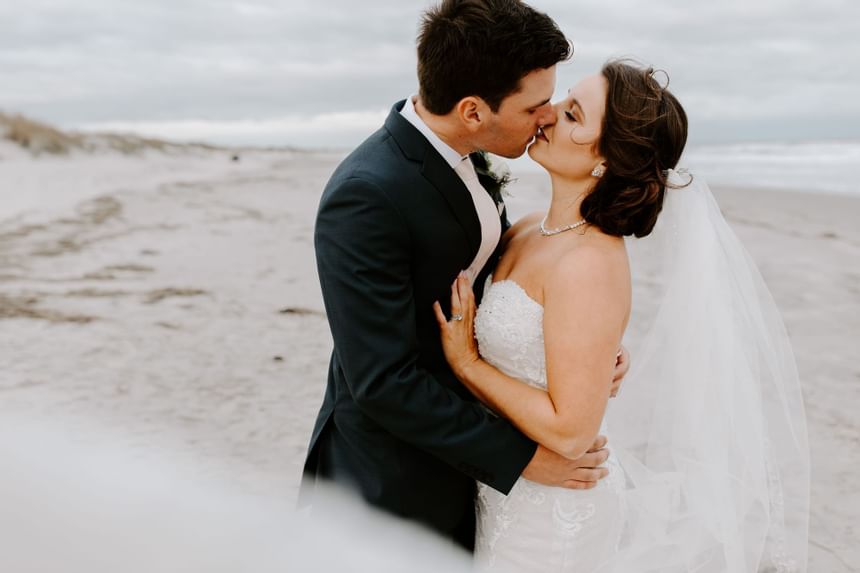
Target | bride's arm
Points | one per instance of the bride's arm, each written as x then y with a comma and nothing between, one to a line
586,305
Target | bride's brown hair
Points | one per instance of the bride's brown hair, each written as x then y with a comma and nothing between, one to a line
643,134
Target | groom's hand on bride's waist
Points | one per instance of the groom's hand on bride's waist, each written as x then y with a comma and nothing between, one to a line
550,468
622,366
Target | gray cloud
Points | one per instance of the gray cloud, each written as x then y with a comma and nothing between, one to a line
744,70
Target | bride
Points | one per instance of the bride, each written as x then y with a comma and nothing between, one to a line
709,468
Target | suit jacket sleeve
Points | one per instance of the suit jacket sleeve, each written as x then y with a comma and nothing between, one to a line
363,256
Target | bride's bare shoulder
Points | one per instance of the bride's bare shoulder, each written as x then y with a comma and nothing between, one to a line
598,263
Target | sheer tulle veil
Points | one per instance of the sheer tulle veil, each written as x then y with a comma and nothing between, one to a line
709,426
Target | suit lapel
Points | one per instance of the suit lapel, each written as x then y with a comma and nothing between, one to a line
438,173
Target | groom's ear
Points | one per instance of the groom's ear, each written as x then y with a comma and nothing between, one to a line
472,112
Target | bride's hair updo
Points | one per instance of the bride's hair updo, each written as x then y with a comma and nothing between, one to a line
643,134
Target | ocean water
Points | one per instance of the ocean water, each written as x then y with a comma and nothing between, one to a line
810,166
815,166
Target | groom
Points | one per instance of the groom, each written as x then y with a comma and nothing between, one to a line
398,220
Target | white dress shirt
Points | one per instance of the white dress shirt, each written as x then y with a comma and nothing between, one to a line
488,213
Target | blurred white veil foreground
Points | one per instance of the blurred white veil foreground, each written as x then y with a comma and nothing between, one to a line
709,426
74,508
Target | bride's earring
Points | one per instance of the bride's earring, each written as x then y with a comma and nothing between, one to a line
597,172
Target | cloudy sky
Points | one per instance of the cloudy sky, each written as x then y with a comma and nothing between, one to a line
324,72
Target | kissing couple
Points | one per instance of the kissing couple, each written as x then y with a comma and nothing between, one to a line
475,360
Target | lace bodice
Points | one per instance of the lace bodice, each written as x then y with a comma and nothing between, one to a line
509,330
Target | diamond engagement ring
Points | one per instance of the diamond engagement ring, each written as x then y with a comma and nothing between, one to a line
456,317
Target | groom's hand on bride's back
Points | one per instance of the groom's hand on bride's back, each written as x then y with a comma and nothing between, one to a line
622,366
550,468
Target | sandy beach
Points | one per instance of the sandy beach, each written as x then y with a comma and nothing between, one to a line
172,298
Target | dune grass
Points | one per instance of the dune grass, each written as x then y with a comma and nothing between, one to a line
40,138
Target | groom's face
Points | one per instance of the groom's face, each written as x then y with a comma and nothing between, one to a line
510,130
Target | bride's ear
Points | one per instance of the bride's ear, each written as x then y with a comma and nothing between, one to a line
472,112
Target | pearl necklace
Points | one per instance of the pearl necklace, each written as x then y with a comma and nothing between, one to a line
550,232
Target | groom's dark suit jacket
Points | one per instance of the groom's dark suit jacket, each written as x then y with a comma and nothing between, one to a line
395,226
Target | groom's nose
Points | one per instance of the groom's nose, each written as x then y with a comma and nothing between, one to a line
546,115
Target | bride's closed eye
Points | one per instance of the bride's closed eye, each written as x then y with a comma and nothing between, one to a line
569,116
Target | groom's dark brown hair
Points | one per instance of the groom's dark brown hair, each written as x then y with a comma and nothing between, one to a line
483,48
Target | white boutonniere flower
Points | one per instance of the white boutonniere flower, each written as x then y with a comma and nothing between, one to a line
501,172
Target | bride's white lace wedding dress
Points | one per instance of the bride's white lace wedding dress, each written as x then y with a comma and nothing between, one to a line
537,528
709,463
